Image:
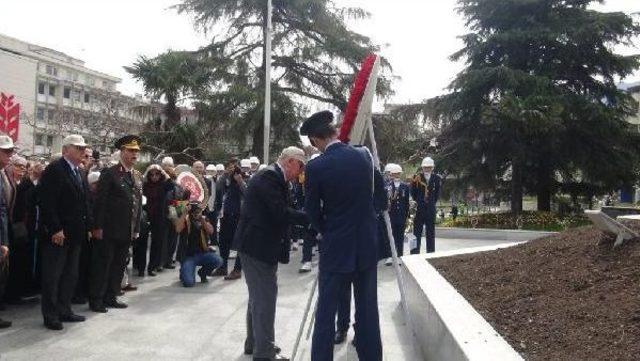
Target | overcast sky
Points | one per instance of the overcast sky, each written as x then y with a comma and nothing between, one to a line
419,35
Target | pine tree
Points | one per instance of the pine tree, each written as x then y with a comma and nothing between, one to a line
538,98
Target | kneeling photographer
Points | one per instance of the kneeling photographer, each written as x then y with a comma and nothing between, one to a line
194,230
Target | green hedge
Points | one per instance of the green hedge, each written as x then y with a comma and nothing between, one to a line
538,221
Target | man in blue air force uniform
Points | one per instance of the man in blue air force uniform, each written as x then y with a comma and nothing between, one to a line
399,194
340,191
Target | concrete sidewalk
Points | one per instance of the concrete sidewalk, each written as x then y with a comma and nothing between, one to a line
165,321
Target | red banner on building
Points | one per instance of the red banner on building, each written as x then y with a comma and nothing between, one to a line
9,116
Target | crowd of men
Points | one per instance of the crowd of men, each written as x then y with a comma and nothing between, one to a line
70,227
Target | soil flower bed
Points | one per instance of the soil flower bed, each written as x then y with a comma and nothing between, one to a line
566,297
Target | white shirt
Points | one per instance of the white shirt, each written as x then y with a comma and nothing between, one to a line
74,167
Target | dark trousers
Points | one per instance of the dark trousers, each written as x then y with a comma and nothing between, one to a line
262,282
344,310
331,287
84,270
19,278
307,248
172,244
108,260
140,247
228,226
3,277
59,276
426,219
158,243
398,237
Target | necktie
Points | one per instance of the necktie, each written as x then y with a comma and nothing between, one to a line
76,175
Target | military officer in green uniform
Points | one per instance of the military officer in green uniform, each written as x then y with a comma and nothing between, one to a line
117,215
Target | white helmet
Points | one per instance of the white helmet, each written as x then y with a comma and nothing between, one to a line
93,177
388,167
220,167
167,162
428,162
245,163
395,169
254,160
210,168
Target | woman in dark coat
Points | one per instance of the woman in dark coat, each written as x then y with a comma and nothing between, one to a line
155,189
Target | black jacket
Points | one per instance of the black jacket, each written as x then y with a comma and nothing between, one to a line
64,204
266,216
118,204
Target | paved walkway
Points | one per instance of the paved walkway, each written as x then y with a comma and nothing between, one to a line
167,322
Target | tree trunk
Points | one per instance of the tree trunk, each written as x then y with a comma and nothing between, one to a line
544,199
516,188
172,112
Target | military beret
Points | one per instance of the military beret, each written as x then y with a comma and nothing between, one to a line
129,141
317,123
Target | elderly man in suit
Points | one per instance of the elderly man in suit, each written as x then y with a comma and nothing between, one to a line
344,193
262,241
66,220
117,223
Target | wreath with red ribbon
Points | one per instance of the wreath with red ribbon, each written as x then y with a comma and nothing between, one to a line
357,92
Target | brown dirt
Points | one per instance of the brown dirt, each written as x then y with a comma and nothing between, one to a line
566,297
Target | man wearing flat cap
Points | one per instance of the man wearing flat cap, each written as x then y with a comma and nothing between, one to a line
343,195
117,223
261,240
65,221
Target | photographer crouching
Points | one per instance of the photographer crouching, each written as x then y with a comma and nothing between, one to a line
194,230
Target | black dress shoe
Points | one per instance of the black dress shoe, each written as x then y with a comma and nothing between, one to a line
159,269
54,325
72,318
203,275
4,323
169,266
151,273
275,358
78,300
341,336
98,307
115,304
249,351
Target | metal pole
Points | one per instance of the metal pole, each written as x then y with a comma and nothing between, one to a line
267,86
387,221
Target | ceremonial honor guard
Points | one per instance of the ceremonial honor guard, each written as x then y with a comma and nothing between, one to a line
399,194
117,223
340,187
425,190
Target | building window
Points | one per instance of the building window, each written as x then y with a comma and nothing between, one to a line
52,70
52,90
87,97
49,140
67,93
90,81
41,88
39,140
40,114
